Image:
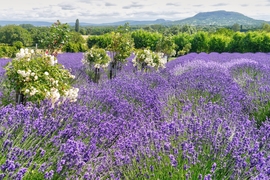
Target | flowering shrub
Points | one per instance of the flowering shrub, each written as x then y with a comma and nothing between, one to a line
167,46
121,47
146,57
96,57
58,36
93,59
39,76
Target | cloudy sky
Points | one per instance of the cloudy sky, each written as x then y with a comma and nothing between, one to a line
102,11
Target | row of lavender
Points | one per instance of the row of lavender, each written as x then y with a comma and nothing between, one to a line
195,119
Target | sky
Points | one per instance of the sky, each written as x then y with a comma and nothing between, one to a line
105,11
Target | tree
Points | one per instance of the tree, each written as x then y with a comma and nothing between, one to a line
144,39
183,42
266,42
39,33
28,27
13,33
121,47
218,43
58,36
236,44
199,43
77,25
236,27
76,44
188,29
101,41
82,31
266,27
167,46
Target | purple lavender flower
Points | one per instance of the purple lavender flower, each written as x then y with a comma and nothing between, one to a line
49,175
213,167
173,160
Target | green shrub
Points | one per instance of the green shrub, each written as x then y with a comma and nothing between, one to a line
7,51
74,47
18,45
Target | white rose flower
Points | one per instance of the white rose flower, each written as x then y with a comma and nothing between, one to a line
33,91
26,51
97,65
51,60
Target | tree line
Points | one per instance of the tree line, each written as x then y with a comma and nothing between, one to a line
223,40
186,38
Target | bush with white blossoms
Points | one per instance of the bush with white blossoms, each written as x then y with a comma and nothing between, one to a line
96,57
38,77
93,60
146,58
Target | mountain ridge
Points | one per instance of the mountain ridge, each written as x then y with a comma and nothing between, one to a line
220,18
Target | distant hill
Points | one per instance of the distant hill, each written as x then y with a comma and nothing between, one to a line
134,23
34,23
219,18
44,23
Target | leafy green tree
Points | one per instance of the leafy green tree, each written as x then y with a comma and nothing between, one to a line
173,30
76,43
167,46
218,43
181,40
100,30
188,29
236,27
199,42
265,42
38,34
266,27
121,48
225,31
101,41
28,27
12,33
82,31
76,37
251,42
59,34
18,45
185,49
158,28
144,39
236,44
77,25
7,51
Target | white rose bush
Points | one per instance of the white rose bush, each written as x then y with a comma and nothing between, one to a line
36,77
93,60
145,58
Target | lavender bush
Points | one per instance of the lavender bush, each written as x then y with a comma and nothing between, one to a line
195,119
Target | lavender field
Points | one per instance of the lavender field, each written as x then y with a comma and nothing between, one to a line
205,116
